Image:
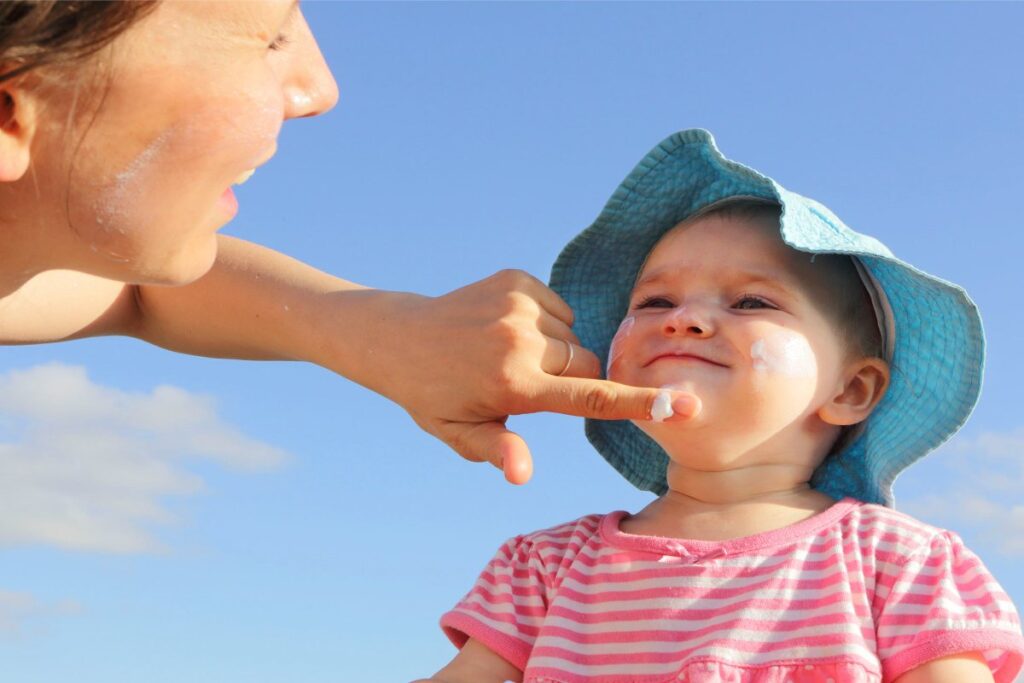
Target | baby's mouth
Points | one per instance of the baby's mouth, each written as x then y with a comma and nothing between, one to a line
675,357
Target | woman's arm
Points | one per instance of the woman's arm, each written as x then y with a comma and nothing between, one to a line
476,663
460,364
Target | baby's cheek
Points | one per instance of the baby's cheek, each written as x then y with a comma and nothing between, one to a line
784,353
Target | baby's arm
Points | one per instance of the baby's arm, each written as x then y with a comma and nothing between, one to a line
476,663
969,667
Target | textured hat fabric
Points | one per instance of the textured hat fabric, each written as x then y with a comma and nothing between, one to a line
938,347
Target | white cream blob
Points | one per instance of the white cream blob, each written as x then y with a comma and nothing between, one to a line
615,350
784,354
661,410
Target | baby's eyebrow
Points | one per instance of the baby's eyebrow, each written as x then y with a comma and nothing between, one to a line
746,276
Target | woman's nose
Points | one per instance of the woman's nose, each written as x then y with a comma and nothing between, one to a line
687,320
310,88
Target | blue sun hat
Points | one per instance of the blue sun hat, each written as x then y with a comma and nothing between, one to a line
931,329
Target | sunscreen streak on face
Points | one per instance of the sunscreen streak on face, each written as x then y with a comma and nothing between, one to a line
113,207
614,350
111,204
784,354
676,315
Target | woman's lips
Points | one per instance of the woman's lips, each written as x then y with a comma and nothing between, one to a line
228,202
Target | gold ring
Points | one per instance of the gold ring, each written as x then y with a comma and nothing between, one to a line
569,361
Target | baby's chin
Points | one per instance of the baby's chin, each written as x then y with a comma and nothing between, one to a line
687,384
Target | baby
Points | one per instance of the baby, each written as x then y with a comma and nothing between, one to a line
824,366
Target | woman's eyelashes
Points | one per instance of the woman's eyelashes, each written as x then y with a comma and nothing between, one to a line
279,42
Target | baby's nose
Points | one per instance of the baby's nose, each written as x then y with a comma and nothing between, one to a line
688,319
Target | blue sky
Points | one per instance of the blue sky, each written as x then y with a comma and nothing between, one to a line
171,518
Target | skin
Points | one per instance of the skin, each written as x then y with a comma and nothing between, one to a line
709,291
113,184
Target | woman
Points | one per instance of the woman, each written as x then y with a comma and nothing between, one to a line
123,127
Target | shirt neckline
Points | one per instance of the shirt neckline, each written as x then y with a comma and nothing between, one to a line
697,549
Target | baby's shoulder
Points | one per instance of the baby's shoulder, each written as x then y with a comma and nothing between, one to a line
560,541
896,536
581,528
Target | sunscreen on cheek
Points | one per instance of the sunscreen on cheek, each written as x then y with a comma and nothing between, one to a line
117,199
784,354
615,349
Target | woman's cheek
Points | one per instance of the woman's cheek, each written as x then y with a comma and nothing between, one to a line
243,128
121,201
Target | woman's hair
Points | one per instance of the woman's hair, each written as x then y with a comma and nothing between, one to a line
34,33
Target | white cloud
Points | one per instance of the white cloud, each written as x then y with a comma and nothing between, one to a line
990,471
87,467
19,611
993,459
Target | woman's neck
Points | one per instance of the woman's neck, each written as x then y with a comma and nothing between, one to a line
29,248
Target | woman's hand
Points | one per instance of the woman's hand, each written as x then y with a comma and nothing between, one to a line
462,363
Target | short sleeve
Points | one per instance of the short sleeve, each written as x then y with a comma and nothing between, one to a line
942,601
507,604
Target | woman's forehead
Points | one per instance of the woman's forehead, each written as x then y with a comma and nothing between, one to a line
227,18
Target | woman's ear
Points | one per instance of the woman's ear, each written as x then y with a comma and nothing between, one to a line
864,386
18,114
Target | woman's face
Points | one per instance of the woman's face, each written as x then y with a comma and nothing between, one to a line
192,101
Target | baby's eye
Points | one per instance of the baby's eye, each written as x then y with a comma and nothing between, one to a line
749,302
655,302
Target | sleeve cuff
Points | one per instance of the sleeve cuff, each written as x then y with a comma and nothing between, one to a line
1010,645
460,627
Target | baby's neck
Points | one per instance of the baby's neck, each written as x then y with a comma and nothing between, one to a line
717,506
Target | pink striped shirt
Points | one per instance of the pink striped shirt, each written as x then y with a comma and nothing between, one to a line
858,593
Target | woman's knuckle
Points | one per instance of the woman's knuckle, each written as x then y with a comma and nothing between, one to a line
506,334
585,364
598,400
506,380
515,278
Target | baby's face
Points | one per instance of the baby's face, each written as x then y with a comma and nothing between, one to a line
725,310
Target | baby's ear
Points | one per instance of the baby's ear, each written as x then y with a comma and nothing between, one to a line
864,386
17,128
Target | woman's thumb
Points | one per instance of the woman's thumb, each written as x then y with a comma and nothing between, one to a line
490,441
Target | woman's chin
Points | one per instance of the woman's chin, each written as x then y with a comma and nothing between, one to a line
183,268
